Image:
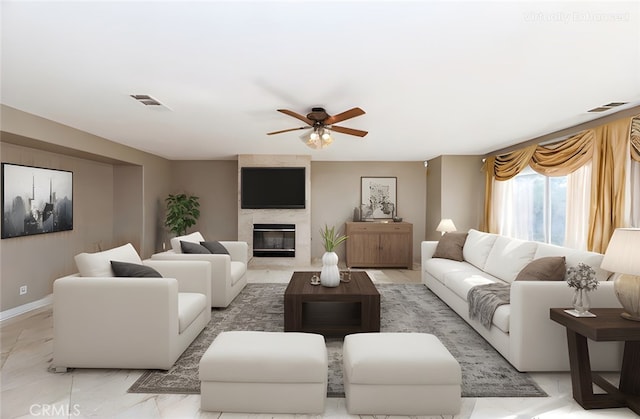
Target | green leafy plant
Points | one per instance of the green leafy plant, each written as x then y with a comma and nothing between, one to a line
182,212
331,238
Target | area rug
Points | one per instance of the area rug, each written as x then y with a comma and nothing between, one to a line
403,308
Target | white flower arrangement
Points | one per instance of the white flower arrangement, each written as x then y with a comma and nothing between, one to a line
582,276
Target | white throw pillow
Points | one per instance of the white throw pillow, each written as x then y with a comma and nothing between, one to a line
193,238
477,247
508,257
99,264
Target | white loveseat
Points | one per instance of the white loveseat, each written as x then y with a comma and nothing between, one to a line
228,272
521,331
103,321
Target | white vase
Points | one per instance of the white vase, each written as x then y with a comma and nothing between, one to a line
330,274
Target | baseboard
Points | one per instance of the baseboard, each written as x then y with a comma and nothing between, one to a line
25,308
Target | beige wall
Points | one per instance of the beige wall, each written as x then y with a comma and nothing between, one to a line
455,189
335,192
434,198
463,190
36,261
216,183
117,198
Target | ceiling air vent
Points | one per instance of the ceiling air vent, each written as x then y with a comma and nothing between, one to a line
606,107
146,100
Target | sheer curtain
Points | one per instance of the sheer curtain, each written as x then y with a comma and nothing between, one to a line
513,208
578,203
508,219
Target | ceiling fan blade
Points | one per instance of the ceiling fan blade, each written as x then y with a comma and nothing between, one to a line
296,115
351,113
349,131
286,130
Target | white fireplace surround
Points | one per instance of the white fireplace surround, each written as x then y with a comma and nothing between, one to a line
300,217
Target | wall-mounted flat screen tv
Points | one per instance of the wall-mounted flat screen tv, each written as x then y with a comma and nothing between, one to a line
272,187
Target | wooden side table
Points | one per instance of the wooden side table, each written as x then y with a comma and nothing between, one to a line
606,326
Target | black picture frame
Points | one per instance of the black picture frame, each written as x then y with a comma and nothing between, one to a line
378,197
35,200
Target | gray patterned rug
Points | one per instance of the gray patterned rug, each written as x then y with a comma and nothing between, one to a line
403,308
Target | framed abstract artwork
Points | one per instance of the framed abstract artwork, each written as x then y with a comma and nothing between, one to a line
35,200
378,197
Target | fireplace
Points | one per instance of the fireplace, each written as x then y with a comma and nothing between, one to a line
274,240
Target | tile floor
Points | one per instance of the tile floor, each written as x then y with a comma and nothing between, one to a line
28,389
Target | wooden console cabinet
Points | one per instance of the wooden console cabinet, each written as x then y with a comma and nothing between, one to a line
378,245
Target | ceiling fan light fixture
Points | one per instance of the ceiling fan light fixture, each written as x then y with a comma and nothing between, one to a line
322,125
319,138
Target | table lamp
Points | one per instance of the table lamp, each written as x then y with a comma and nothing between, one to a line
623,257
446,225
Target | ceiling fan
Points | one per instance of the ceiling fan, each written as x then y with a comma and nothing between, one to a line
322,123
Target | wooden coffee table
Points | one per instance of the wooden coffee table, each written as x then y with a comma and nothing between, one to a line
351,307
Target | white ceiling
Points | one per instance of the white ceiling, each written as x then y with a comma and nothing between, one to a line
434,77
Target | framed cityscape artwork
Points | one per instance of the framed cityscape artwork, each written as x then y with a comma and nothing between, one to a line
378,197
35,200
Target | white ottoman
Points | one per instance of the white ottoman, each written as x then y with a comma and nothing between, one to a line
264,372
400,374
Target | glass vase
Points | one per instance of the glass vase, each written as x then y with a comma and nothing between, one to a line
581,301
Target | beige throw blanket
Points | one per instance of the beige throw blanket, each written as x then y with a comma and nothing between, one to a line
484,300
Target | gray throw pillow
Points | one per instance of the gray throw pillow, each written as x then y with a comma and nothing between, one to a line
215,247
450,246
133,270
550,268
190,247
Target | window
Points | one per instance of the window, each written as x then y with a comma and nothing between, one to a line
535,207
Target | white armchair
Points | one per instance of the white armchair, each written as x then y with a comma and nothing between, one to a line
228,272
103,321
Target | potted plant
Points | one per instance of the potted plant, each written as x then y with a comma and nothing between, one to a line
182,212
331,239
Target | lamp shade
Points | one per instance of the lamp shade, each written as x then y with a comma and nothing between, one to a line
623,252
446,225
623,256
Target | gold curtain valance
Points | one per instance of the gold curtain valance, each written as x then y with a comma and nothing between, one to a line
635,138
507,166
565,157
605,147
557,159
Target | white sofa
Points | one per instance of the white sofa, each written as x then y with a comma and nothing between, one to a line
521,331
228,272
103,321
